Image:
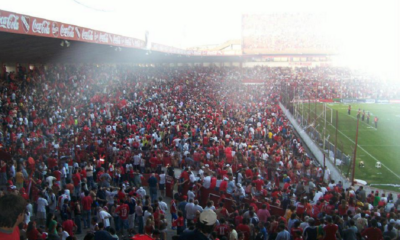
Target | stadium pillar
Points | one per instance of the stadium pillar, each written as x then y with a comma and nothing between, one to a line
355,155
336,126
309,111
315,111
324,126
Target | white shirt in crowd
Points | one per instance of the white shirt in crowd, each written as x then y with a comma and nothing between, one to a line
207,182
64,235
163,206
105,217
141,192
191,195
190,211
162,178
41,204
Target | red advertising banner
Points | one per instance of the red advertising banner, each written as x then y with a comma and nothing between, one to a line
312,100
34,26
23,24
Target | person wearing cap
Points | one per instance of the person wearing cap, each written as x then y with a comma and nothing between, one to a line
239,193
204,227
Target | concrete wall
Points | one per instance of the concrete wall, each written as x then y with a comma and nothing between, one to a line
285,64
335,174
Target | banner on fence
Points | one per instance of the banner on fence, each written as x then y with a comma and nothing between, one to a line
382,101
349,100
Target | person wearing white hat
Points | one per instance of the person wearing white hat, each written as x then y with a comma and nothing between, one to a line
141,192
205,226
239,193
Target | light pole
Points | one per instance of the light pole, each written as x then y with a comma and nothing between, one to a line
355,155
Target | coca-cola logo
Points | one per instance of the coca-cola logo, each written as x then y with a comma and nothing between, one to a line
87,34
54,29
103,37
41,27
78,32
117,39
25,23
9,22
67,31
96,36
128,41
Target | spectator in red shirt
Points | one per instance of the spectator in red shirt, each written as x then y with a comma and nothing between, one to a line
249,174
223,185
179,223
68,226
121,194
87,207
373,232
57,175
76,178
244,228
331,230
259,183
32,233
222,229
123,213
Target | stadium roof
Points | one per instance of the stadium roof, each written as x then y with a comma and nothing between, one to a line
34,49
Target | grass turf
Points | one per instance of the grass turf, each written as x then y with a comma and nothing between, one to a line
381,144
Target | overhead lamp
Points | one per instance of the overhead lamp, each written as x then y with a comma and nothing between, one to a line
65,43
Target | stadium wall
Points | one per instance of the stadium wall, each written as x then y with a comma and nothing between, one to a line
285,64
335,174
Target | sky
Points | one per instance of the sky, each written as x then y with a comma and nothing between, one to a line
368,30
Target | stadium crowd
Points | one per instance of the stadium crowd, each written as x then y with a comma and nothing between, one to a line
285,31
80,141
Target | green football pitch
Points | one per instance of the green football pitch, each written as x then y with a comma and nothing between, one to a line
380,144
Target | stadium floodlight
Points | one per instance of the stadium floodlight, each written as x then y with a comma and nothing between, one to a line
65,43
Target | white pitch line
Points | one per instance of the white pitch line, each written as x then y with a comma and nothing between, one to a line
369,154
379,145
361,122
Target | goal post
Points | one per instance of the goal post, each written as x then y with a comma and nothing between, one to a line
329,114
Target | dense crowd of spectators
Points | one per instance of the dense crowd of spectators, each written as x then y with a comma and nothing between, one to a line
285,32
77,141
323,82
